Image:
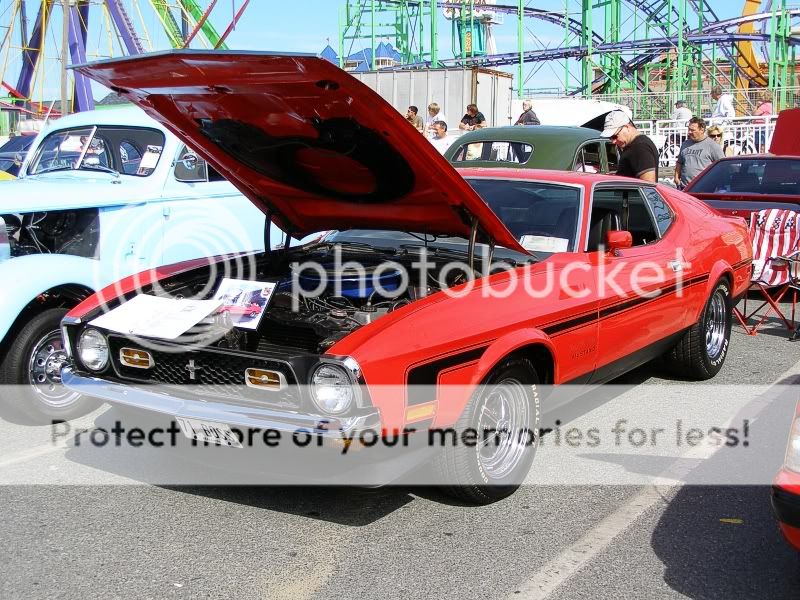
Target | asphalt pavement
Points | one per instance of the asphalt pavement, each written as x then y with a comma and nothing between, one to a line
131,540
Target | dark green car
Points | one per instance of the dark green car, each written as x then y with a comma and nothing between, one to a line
535,147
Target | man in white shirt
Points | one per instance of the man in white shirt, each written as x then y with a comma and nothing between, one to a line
441,141
682,112
724,108
434,114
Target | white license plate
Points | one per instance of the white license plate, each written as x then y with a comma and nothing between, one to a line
206,431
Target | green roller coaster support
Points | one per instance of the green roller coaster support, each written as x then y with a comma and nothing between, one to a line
171,27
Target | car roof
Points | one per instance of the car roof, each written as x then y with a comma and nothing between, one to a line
125,116
541,134
554,146
549,176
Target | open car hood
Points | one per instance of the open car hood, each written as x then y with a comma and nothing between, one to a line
785,140
306,142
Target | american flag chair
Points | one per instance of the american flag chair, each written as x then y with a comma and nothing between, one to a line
775,234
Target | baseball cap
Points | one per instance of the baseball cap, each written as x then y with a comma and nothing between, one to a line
615,120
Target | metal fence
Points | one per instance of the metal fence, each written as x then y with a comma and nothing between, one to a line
660,105
740,135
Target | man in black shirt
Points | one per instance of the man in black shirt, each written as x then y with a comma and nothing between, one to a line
473,119
638,154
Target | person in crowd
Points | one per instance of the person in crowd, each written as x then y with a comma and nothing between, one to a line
528,117
473,119
696,153
717,134
638,154
413,117
724,107
763,107
441,141
434,114
682,112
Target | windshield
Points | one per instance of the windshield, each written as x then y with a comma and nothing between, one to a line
132,151
750,176
542,216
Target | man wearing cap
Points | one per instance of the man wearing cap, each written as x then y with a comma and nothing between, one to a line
638,154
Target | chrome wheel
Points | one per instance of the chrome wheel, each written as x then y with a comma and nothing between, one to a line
503,428
44,371
716,325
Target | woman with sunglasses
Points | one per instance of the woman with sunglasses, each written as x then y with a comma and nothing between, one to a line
716,133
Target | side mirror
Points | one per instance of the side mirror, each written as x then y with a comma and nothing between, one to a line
617,240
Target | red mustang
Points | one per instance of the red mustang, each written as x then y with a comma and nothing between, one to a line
251,310
470,288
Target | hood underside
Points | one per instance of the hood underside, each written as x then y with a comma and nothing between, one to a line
306,142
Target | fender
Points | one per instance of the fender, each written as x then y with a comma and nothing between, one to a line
507,344
33,275
451,405
720,269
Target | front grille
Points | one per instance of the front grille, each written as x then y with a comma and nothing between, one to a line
212,374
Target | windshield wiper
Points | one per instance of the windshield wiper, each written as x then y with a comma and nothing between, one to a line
97,167
53,169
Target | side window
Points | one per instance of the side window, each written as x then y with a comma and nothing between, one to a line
612,156
130,157
588,158
190,168
501,152
661,210
620,209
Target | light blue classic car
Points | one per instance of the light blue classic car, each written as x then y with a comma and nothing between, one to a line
101,195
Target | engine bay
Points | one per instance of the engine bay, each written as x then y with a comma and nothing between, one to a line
313,308
75,232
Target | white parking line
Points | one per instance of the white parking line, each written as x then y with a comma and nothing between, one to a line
31,453
571,560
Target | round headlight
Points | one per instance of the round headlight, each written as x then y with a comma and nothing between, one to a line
93,350
331,389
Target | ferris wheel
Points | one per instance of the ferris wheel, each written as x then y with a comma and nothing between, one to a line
41,39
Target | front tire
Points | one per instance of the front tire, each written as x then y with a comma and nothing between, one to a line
33,365
505,414
701,351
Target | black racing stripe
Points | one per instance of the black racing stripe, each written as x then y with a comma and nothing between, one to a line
620,306
569,324
428,374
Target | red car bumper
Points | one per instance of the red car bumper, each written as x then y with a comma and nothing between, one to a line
786,505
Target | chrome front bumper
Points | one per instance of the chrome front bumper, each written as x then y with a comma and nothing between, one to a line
157,400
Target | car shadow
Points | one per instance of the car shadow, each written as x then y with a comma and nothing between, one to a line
168,468
721,540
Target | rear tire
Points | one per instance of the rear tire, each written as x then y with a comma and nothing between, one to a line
487,472
33,365
701,351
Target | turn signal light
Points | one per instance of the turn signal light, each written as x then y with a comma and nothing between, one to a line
138,359
264,379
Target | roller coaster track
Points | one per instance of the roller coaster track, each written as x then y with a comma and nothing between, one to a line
647,47
657,12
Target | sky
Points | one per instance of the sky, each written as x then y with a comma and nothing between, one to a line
307,25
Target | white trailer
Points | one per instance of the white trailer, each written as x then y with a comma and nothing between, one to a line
451,89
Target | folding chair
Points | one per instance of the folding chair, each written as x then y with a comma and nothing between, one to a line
775,234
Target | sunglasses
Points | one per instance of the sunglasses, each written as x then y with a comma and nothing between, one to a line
715,135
